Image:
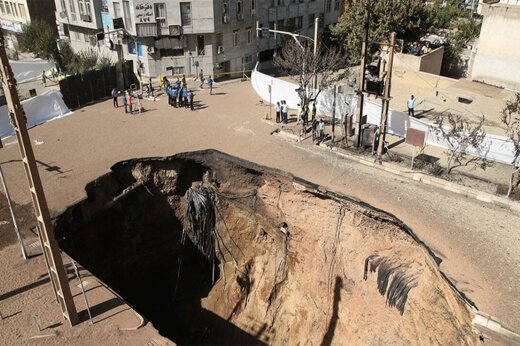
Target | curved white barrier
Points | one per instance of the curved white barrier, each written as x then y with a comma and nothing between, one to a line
497,148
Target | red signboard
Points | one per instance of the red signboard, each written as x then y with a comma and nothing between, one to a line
415,137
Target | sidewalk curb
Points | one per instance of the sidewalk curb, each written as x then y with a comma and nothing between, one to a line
493,324
418,176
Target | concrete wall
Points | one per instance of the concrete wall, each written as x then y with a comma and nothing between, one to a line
497,58
429,63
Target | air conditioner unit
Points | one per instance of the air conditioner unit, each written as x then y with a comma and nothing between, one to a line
253,12
175,30
63,14
151,50
226,18
240,16
220,49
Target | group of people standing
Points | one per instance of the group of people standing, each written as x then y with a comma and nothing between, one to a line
282,110
127,100
178,94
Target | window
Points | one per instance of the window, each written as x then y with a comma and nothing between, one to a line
225,11
87,7
240,15
260,32
171,52
71,6
7,8
178,70
235,38
280,3
15,9
160,15
299,23
246,59
328,5
81,7
117,10
77,36
312,17
253,5
200,45
249,37
85,37
2,8
336,5
132,47
22,10
126,11
185,13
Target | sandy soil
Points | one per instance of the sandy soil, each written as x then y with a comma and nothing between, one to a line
479,243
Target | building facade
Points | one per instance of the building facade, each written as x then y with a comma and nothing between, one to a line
183,37
496,57
16,13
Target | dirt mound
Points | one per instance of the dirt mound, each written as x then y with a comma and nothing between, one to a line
214,250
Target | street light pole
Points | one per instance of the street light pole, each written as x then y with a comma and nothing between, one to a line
316,23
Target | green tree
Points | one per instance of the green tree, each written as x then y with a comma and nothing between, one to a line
39,39
410,19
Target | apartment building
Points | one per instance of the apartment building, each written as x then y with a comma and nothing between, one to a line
16,13
182,37
496,55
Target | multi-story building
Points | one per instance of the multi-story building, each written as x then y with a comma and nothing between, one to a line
496,56
182,37
16,13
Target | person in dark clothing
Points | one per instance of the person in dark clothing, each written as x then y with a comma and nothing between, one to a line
123,99
306,117
314,126
114,96
278,112
191,99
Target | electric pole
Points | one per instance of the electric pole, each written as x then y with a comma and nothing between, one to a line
49,245
386,99
316,24
361,79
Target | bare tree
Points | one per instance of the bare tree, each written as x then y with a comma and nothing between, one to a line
511,118
302,64
460,136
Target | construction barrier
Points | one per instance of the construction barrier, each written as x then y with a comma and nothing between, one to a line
94,85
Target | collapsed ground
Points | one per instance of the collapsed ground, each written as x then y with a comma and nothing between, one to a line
288,262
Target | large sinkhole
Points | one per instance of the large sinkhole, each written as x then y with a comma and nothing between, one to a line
215,250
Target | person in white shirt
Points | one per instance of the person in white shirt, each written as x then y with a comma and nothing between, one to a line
278,110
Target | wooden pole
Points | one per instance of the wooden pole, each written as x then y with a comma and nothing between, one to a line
50,248
386,99
361,79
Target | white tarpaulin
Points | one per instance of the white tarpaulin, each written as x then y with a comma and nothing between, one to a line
38,110
496,148
29,70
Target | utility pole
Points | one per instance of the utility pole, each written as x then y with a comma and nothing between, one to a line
334,115
49,245
386,99
316,24
361,79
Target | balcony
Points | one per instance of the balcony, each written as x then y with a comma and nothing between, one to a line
85,18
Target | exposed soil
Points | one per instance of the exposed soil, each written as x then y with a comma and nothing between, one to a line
293,263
